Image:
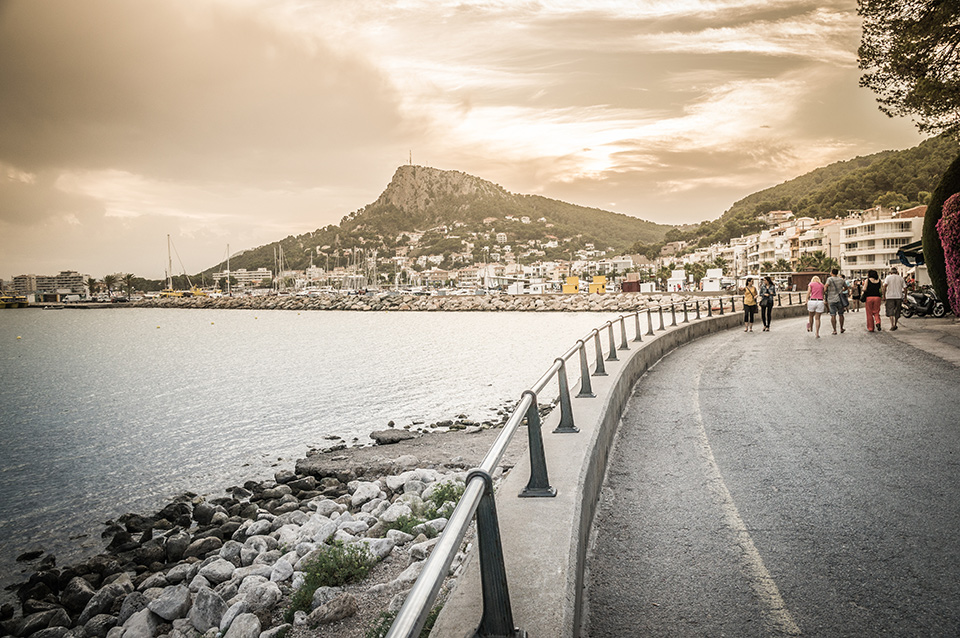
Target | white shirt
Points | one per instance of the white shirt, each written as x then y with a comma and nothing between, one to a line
893,286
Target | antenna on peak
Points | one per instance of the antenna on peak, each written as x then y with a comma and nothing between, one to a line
411,158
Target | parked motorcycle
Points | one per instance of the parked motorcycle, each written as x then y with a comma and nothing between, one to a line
922,303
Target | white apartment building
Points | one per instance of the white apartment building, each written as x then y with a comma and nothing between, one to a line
824,236
871,240
244,277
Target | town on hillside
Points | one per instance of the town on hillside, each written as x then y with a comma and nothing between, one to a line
861,241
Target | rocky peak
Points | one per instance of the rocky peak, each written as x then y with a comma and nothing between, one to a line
414,188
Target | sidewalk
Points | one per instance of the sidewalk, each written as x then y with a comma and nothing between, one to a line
939,337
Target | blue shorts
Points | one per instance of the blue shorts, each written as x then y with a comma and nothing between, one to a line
836,308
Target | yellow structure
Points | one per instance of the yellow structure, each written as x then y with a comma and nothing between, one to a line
572,286
599,285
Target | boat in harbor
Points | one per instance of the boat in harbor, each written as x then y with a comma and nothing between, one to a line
13,301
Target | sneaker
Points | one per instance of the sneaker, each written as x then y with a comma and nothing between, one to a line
893,328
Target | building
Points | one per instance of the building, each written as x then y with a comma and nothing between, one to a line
870,241
247,278
66,283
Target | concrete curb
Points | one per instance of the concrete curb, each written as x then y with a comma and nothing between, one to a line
545,540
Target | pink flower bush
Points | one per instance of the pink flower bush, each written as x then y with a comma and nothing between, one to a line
949,230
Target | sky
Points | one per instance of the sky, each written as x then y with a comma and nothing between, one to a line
240,122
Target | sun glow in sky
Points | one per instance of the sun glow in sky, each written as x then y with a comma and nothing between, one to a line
241,122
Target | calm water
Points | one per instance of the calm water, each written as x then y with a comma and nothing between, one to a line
109,411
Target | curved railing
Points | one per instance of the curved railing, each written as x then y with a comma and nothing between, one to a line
478,496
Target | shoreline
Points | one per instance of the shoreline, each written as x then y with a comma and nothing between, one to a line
612,302
321,489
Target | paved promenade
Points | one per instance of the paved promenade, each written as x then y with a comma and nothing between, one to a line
773,484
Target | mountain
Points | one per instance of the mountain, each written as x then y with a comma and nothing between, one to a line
420,198
891,178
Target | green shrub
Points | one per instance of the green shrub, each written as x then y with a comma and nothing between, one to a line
386,618
405,524
448,491
335,566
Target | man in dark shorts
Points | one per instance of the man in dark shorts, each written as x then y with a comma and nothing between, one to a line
894,288
833,290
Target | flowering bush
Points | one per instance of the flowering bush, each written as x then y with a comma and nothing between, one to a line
949,230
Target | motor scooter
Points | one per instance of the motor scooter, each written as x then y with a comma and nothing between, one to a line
922,303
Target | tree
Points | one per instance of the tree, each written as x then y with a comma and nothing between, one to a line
128,283
891,200
721,263
910,52
782,265
109,281
92,286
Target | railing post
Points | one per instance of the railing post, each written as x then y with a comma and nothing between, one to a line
649,323
566,425
698,308
721,304
709,307
733,305
623,334
586,388
636,316
613,346
673,314
660,312
686,319
779,300
497,618
599,371
539,484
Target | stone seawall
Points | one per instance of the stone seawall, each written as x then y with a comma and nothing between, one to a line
620,302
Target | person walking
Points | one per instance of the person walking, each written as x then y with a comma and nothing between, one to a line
835,289
815,304
894,287
872,294
749,305
856,290
767,292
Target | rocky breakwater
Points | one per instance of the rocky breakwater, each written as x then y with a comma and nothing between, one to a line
387,301
256,563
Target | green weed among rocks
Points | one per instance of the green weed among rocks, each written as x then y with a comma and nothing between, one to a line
335,566
386,618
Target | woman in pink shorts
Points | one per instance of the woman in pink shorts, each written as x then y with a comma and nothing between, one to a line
815,304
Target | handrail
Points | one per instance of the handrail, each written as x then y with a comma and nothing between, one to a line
478,493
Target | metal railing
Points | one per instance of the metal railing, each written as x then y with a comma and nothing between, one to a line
478,497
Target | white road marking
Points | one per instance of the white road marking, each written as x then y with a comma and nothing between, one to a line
777,620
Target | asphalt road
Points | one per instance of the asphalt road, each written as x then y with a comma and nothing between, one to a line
774,484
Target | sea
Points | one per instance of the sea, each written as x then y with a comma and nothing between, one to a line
109,411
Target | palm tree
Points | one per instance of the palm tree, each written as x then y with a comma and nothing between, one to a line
109,281
782,265
766,266
719,262
128,283
91,286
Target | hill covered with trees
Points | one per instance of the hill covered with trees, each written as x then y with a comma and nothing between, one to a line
890,178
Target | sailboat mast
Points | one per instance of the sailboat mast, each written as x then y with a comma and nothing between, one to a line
169,265
228,270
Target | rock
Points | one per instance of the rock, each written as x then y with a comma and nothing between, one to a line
323,595
179,573
104,599
354,527
343,606
131,605
277,632
218,571
405,462
259,528
203,513
282,570
173,603
231,552
100,625
42,620
284,476
326,507
420,551
435,526
176,545
395,511
143,624
397,601
263,598
409,576
237,608
244,626
77,594
50,632
398,537
154,580
379,548
387,437
413,486
200,548
30,554
207,611
366,491
198,582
